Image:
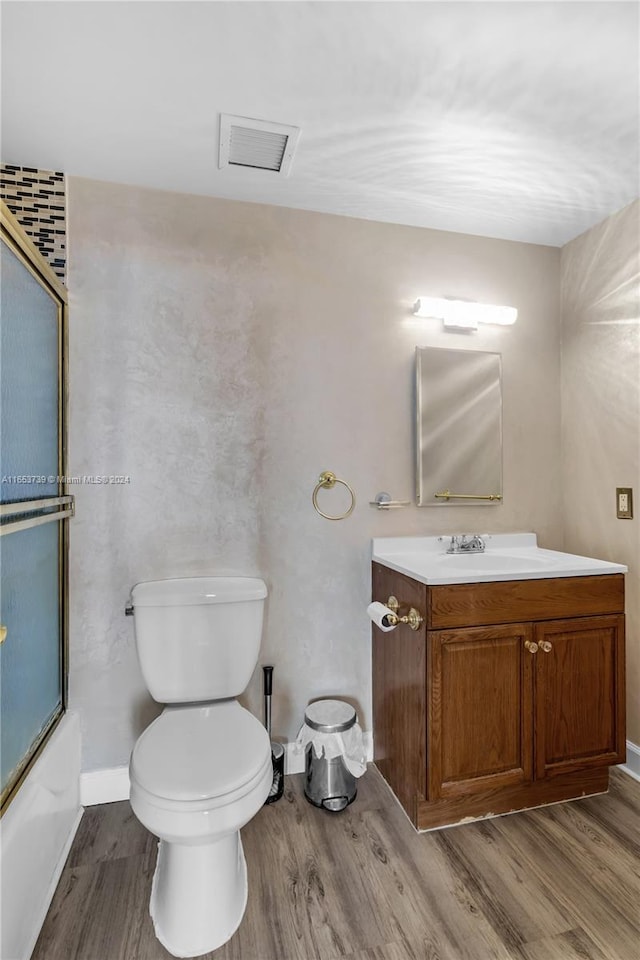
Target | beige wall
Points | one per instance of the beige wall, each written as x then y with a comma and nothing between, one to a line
222,354
601,408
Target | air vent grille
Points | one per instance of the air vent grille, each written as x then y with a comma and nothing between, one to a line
255,148
256,143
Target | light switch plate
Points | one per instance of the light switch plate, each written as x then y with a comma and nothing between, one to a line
624,503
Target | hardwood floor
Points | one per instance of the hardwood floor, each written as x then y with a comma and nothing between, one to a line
559,883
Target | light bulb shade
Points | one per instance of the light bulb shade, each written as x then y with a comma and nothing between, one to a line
463,313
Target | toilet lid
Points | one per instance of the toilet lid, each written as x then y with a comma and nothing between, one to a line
198,752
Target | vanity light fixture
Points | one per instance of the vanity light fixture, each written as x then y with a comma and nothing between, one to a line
463,314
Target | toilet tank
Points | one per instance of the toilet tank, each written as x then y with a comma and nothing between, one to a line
198,638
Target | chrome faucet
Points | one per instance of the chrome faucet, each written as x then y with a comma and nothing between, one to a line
467,544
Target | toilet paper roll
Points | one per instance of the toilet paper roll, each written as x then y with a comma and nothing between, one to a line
378,613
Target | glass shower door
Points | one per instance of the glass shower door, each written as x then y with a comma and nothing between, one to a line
33,508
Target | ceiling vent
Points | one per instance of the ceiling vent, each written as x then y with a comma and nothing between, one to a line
256,143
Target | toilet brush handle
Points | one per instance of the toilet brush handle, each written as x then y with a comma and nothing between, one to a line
268,681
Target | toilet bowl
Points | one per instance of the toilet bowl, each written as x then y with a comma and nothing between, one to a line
203,768
198,774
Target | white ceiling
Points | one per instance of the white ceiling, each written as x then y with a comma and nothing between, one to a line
516,120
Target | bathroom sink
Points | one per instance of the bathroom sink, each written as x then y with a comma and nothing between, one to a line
493,561
513,556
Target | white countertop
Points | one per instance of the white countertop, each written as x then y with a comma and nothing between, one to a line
508,556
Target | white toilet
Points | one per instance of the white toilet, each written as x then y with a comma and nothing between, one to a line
203,769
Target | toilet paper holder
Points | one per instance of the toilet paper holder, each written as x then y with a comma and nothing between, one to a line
413,618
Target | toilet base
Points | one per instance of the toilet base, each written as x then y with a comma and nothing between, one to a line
199,894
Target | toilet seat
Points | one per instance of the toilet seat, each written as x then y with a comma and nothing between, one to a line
200,757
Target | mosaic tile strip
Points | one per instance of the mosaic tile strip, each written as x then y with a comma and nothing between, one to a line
38,200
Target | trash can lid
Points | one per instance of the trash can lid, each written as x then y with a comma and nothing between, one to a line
330,716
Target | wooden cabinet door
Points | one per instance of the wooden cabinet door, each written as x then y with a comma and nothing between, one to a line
480,710
579,694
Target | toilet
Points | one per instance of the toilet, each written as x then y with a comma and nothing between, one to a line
203,768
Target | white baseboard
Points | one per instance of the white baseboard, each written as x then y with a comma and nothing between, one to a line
112,784
294,760
104,786
632,766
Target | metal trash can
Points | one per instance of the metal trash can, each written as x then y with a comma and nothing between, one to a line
328,781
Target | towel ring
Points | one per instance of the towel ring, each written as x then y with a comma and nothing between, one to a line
328,480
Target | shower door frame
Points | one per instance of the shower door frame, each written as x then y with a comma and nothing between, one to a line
17,241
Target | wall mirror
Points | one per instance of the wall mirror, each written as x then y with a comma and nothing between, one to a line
459,427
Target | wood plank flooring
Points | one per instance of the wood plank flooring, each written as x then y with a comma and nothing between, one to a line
559,883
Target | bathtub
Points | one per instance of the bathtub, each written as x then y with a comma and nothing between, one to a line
36,833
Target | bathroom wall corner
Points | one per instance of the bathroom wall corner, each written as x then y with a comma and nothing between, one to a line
104,786
600,284
632,766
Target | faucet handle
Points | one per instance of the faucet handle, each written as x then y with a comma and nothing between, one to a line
454,546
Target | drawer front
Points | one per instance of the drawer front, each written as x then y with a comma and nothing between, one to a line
515,601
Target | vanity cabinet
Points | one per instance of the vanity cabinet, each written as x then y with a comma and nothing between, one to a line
510,695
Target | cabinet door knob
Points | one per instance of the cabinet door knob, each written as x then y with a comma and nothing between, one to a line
531,646
546,646
3,633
